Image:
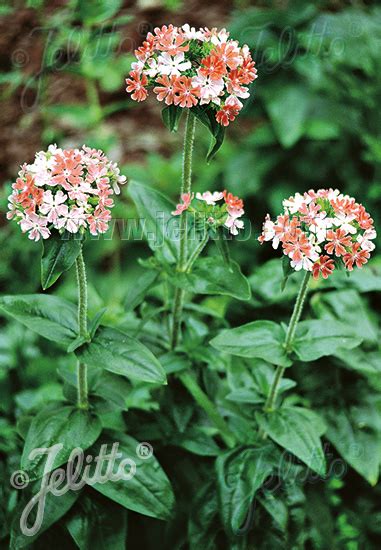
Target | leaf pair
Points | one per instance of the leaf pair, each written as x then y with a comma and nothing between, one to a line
206,115
56,319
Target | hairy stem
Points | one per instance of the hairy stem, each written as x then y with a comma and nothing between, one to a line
298,308
82,390
186,187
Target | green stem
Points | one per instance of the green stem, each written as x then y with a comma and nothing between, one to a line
189,381
186,187
196,252
298,308
82,389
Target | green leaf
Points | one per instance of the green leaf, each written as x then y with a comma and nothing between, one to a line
262,339
365,362
68,426
289,107
212,275
94,12
116,352
298,430
58,255
50,316
171,117
157,222
360,448
349,306
315,339
54,509
207,117
240,474
202,524
137,290
148,492
196,441
98,525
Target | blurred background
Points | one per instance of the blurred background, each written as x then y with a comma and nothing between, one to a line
313,120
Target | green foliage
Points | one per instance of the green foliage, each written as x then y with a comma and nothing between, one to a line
300,474
117,352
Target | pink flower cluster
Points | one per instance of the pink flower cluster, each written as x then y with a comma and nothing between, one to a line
319,229
65,189
188,67
205,207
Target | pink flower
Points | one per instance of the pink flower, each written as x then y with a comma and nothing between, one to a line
36,225
166,90
186,94
136,84
53,206
338,241
234,224
356,256
181,207
325,220
325,265
98,222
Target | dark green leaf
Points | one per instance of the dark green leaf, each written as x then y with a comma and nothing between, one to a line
360,448
116,352
207,117
55,508
157,222
212,275
148,492
137,290
98,525
241,473
68,426
298,430
171,117
58,255
315,339
202,524
262,339
50,316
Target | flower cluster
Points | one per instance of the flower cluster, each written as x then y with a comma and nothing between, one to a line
204,206
188,67
65,189
319,230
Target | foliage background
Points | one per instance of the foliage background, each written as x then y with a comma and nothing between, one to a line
313,120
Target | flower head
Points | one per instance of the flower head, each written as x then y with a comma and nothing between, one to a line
214,210
65,189
322,230
174,60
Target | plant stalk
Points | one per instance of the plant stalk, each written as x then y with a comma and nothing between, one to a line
82,389
298,308
186,187
189,381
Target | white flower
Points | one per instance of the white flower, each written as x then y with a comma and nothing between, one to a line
53,205
153,68
36,225
172,66
320,225
190,33
365,240
209,89
210,198
344,221
72,220
294,203
234,224
219,38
